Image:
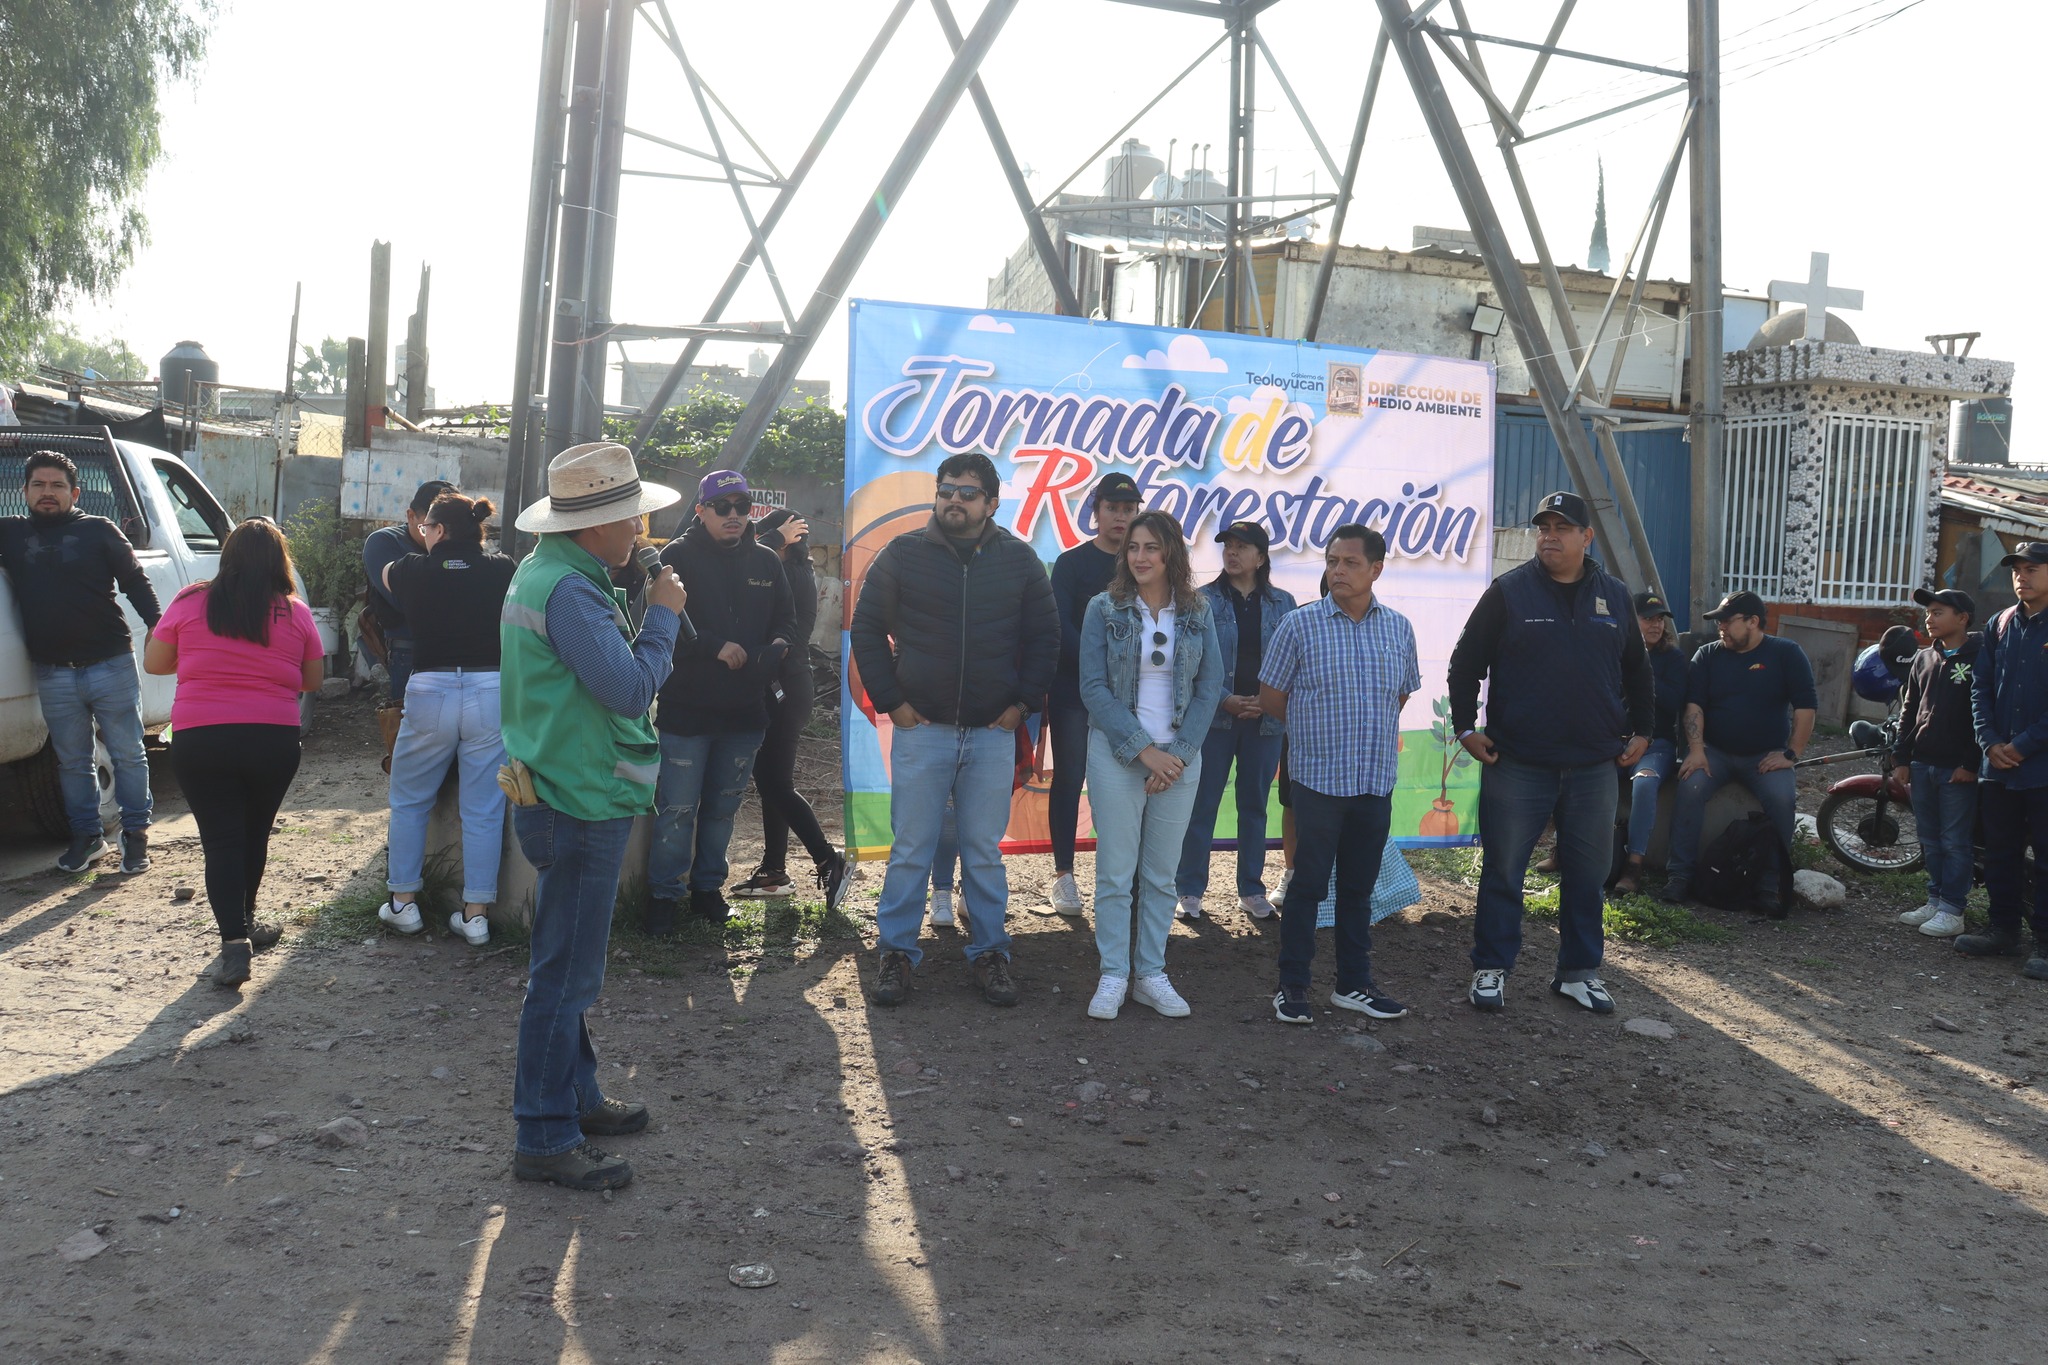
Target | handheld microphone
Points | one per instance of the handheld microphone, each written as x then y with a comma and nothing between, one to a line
649,560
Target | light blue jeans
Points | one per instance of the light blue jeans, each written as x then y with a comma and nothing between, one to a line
450,717
1652,770
703,780
927,765
1137,848
73,698
1946,813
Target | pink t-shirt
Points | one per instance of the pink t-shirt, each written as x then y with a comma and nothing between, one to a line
225,681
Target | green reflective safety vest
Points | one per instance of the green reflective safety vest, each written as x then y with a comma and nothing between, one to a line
587,761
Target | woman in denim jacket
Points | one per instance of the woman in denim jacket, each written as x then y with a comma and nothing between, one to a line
1243,593
1151,675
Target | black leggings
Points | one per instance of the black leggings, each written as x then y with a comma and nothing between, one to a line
783,807
234,778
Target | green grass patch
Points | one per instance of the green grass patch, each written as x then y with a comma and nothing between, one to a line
1817,964
1635,919
774,931
1445,864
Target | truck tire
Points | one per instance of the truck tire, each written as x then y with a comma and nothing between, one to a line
36,779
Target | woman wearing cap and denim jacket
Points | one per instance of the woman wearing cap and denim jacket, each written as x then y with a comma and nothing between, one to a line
1151,675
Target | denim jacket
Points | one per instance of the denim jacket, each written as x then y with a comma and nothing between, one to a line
1112,638
1276,603
2009,696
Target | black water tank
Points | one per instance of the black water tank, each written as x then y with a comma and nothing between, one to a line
1983,432
188,361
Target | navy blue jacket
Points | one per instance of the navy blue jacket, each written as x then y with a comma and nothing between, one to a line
1077,576
1568,677
2009,696
1273,605
1670,669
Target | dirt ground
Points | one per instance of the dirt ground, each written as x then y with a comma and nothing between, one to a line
1835,1156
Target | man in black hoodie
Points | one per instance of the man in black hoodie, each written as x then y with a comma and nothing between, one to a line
65,566
1938,737
713,710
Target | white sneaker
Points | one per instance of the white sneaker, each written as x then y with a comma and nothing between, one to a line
1188,907
1916,918
476,932
1109,997
1066,897
1947,924
1258,907
1159,993
404,918
942,909
1286,880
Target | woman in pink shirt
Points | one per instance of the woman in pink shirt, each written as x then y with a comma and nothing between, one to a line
243,648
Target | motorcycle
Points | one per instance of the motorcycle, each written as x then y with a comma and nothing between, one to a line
1866,820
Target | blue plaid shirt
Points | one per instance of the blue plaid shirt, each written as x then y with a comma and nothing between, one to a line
1344,682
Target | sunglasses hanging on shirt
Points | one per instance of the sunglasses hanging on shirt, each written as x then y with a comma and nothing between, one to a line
1159,651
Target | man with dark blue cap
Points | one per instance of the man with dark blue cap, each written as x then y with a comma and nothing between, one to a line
2009,700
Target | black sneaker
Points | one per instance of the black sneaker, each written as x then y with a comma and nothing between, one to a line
614,1118
85,850
135,850
892,980
579,1168
832,878
710,905
2037,966
1290,1005
231,968
660,919
1368,1002
1675,891
998,987
1991,943
765,885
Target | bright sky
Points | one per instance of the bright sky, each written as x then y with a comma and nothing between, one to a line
313,129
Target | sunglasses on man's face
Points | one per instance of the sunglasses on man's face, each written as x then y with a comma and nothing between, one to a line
963,492
1159,652
730,507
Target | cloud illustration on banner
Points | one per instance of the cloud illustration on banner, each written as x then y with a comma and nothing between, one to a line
982,322
1184,352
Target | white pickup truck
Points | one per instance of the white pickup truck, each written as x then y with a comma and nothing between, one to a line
176,526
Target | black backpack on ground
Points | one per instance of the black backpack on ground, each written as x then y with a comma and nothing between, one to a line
1747,868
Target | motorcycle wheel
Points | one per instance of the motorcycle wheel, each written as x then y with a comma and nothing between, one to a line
1869,833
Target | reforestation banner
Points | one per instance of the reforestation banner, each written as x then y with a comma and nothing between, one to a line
1215,429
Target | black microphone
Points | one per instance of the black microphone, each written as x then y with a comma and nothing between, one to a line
649,560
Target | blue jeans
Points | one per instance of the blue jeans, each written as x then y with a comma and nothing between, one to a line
555,1080
73,699
1138,840
1349,834
1946,813
1514,801
703,780
398,663
947,856
1777,792
1254,757
449,718
1656,765
929,764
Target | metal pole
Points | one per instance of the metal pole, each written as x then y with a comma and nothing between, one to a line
1708,426
572,261
651,412
1328,264
604,217
377,392
1234,157
540,214
1545,375
739,447
1248,177
1041,240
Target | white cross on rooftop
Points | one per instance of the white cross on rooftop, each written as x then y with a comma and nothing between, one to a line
1816,296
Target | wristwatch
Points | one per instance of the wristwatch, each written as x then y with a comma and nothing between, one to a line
1790,756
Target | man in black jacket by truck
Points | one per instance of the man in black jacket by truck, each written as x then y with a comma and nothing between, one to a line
65,566
956,638
713,710
1938,742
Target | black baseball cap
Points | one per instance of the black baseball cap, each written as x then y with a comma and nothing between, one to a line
1649,604
1114,488
1953,598
423,496
1250,532
1737,604
1570,506
2026,552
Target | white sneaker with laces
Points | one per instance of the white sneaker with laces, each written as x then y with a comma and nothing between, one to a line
1188,907
1109,997
1158,992
1489,988
1947,924
1066,897
404,918
1258,907
1286,880
1916,918
942,909
476,932
1591,994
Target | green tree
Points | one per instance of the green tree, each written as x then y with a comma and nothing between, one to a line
107,357
324,370
802,443
79,83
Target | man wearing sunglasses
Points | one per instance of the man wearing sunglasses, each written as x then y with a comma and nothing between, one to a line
956,637
713,710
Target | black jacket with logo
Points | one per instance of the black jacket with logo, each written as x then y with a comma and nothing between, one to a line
1935,725
738,595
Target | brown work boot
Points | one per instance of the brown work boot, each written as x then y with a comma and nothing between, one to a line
579,1168
992,970
892,980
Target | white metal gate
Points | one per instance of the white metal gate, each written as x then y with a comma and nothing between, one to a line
1873,509
1754,482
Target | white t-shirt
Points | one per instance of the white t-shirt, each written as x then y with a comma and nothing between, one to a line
1155,680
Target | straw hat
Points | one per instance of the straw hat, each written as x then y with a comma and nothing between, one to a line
590,485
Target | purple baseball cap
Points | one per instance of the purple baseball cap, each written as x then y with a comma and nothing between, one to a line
720,483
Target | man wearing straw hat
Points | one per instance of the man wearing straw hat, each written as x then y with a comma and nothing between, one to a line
577,685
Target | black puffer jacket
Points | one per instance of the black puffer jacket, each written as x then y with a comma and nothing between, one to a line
961,642
737,593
